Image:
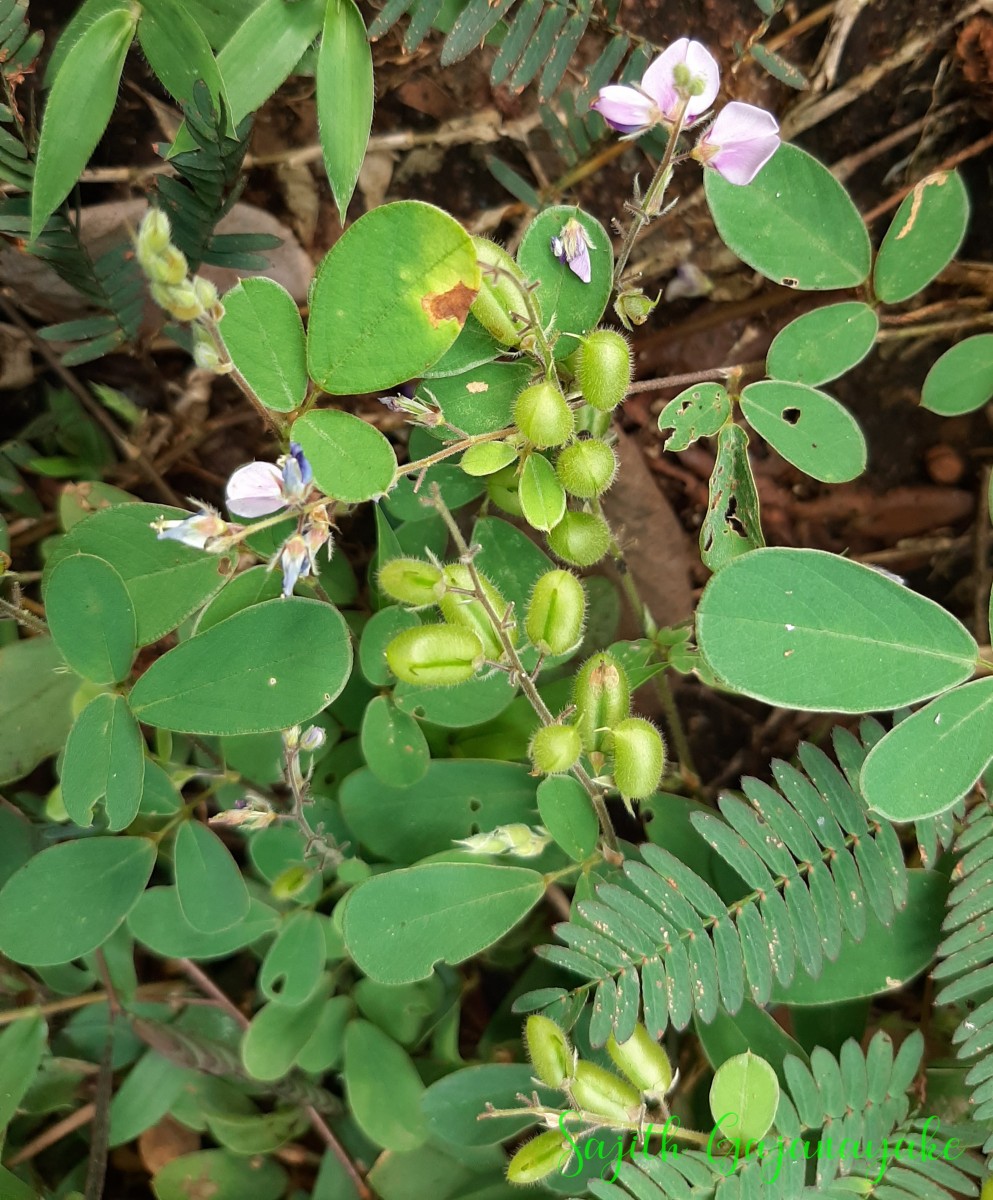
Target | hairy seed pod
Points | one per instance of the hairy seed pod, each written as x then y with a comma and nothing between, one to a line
542,414
587,468
435,655
556,612
599,1091
469,613
410,580
556,748
602,695
540,1157
639,757
502,488
642,1060
604,369
580,539
501,292
549,1050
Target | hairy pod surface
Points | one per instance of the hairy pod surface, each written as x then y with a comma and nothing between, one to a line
543,415
602,695
435,655
539,1158
556,612
459,609
639,757
604,369
501,292
580,538
503,489
556,748
599,1091
410,580
549,1050
586,469
643,1061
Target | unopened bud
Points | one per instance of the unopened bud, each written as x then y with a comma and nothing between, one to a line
154,233
410,580
643,1061
556,748
587,468
639,757
603,371
556,612
435,655
540,1157
580,538
634,307
207,295
602,696
603,1093
205,353
291,882
542,414
549,1050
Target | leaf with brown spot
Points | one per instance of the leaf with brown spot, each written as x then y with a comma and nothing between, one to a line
451,305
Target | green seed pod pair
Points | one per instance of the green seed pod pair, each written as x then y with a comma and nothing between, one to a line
602,695
642,1060
586,468
604,369
556,748
469,613
580,539
549,1051
435,655
543,415
540,1157
556,613
639,757
596,1090
411,581
501,293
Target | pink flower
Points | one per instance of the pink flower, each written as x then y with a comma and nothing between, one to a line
203,531
686,73
572,245
739,143
262,488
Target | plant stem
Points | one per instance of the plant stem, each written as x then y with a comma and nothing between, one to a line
422,464
23,617
517,669
591,1120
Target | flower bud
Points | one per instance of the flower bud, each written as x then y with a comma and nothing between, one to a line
410,580
556,748
603,1093
587,468
502,489
208,297
604,369
580,538
468,612
556,612
501,292
542,414
291,882
549,1051
205,353
540,1157
634,307
170,267
154,234
435,655
639,757
643,1061
602,696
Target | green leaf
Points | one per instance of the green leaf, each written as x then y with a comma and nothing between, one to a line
256,1133
931,760
458,707
751,1028
794,223
278,1033
698,412
157,922
220,1175
165,580
455,798
152,1087
177,50
268,667
452,1104
389,298
923,238
251,587
21,1047
481,399
886,958
567,813
47,918
474,347
293,965
487,458
263,51
263,332
209,884
12,1188
823,344
35,715
399,925
962,378
809,428
779,67
809,630
344,98
744,1097
383,1088
352,460
91,618
393,744
79,105
377,633
541,493
104,761
732,526
575,307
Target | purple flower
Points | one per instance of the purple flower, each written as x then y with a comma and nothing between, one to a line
200,531
573,246
261,488
739,143
296,560
686,73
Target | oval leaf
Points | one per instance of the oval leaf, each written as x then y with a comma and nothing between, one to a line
220,1175
962,378
930,761
352,460
698,412
809,630
35,713
263,332
157,922
567,813
541,493
393,744
209,884
268,667
48,917
277,1035
399,925
389,298
104,761
744,1097
177,50
808,428
823,344
794,223
344,98
91,618
383,1087
291,970
924,237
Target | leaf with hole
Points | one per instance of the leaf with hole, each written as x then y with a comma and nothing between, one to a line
698,412
808,428
293,965
104,762
731,526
